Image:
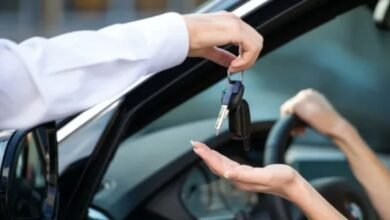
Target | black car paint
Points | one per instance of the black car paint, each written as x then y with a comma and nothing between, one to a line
279,22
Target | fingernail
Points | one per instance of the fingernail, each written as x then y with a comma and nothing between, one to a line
195,150
229,174
196,146
194,143
234,70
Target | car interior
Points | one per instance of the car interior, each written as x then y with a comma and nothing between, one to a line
345,59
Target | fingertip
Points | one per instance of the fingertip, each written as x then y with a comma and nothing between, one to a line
199,146
230,174
286,108
232,69
237,62
236,69
196,143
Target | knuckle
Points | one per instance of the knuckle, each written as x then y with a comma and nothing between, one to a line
301,93
220,13
236,25
260,41
261,38
257,48
306,93
311,91
291,174
233,29
234,21
232,15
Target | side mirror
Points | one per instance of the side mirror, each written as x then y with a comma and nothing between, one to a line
28,186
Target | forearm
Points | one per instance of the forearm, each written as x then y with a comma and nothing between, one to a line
367,168
46,79
312,204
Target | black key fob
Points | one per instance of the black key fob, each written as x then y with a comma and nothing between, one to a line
240,122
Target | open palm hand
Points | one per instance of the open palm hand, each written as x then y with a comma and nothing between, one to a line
273,179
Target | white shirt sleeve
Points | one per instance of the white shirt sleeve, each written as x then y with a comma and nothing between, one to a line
46,79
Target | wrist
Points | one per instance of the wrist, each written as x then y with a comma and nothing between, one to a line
312,204
341,130
304,196
296,189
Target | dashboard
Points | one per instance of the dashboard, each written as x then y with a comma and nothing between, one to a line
173,178
164,179
206,196
197,193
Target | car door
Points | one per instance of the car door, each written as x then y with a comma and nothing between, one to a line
278,21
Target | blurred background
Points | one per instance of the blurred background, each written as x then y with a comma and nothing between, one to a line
20,19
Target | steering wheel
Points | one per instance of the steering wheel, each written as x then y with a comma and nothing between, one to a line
345,197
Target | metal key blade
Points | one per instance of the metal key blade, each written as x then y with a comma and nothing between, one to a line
221,117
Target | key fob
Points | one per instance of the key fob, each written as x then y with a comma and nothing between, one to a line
233,94
231,98
239,123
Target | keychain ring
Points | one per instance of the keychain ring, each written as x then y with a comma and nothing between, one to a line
229,76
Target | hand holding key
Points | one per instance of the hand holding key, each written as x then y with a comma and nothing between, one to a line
208,31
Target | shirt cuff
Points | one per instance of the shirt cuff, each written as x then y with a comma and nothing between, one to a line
167,40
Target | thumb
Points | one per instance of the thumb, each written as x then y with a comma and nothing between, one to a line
217,55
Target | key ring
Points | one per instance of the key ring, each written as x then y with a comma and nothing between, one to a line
229,76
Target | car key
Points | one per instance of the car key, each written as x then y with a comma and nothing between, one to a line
231,98
239,123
